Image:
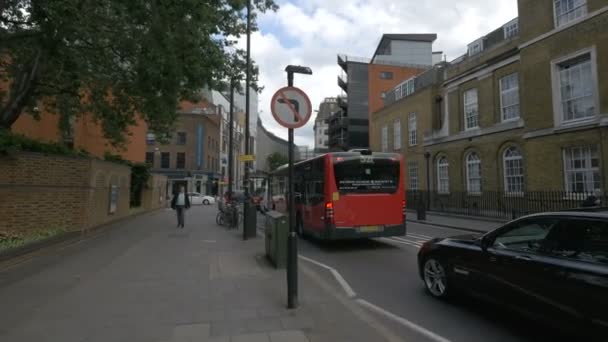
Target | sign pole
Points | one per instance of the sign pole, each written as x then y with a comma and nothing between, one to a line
292,241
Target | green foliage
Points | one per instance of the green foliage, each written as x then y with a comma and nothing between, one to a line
140,174
11,143
116,58
275,160
14,241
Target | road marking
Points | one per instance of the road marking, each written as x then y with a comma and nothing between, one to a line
413,326
408,243
418,242
419,235
345,286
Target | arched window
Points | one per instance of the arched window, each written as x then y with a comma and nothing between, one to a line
473,172
513,171
443,180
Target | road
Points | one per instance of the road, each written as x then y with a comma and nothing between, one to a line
384,273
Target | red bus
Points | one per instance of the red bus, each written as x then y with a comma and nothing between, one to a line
345,195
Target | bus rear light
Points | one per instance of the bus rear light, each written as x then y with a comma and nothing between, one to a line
404,207
329,212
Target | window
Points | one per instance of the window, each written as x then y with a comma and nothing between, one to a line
397,134
181,160
509,97
384,138
513,171
473,172
208,163
511,29
471,113
352,176
405,89
568,10
165,160
150,138
150,158
412,169
412,129
576,88
181,138
386,75
443,180
579,239
525,236
582,169
475,47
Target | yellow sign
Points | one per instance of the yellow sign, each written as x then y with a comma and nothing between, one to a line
222,183
247,157
336,196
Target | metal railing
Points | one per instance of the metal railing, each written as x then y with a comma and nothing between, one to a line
498,204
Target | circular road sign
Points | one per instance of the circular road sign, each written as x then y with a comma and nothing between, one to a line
291,107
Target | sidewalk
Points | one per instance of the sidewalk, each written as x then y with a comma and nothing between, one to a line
145,280
475,224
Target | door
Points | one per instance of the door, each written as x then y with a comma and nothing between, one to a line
515,272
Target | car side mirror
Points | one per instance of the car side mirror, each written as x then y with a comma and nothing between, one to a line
486,242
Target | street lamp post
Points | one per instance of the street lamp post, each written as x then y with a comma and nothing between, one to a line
292,244
246,210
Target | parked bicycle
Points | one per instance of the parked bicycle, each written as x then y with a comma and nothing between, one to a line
229,215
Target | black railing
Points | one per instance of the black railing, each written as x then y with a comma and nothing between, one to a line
496,204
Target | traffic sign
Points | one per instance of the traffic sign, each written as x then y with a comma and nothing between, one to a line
291,107
247,157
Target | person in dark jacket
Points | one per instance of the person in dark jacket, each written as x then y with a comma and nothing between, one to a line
180,203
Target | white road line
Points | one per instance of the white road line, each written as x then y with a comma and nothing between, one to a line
411,244
416,242
419,235
413,326
345,286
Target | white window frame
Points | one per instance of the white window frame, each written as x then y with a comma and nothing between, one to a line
443,175
558,110
508,91
412,129
586,171
470,105
468,164
397,134
511,29
505,166
413,177
384,138
583,13
405,88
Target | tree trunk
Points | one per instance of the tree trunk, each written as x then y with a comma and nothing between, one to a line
20,92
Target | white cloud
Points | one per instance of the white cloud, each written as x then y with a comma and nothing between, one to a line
313,32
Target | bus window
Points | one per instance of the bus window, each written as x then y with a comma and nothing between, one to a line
353,176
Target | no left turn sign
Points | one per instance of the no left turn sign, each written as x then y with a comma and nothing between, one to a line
291,107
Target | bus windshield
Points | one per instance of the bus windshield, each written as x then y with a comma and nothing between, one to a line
355,175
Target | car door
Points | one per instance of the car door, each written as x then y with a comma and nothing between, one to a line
581,246
517,274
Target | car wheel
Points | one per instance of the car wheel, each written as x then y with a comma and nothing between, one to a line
206,202
435,278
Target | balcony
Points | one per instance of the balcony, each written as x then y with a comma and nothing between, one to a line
343,82
342,102
342,61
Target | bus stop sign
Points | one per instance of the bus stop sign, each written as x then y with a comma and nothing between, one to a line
291,107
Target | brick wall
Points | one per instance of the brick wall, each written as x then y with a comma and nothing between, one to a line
39,192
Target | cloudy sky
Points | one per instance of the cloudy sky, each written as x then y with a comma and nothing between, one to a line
313,32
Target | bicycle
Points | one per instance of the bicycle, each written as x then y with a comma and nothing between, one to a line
229,216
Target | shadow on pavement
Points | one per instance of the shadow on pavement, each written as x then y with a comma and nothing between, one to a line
349,245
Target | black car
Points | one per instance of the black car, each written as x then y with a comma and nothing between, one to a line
551,266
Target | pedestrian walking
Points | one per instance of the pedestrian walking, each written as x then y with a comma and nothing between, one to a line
180,203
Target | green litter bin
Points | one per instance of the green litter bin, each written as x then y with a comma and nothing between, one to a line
276,231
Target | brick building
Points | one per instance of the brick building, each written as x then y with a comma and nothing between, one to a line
191,158
525,109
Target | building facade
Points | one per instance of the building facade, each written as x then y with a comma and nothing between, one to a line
524,110
366,81
191,158
326,109
267,144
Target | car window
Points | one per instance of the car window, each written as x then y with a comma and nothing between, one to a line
526,235
579,239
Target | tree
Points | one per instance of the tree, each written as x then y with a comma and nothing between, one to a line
115,58
275,160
